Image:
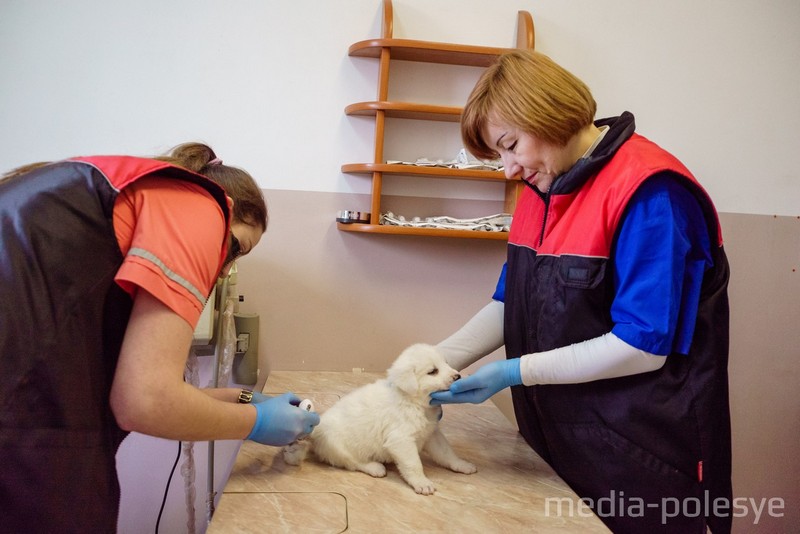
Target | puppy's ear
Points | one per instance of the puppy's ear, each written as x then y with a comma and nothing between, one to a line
402,375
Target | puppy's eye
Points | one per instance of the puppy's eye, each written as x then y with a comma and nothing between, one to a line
434,372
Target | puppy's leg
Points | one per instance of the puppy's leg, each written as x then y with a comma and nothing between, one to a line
340,457
443,454
373,469
296,452
406,457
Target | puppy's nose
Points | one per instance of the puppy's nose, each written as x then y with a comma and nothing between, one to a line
456,376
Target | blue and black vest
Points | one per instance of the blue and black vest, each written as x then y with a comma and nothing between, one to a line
647,435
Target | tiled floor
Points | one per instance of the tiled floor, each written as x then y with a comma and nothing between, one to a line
508,494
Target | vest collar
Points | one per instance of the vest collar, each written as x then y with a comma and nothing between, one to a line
620,130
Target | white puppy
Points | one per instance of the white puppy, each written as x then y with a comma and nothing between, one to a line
389,420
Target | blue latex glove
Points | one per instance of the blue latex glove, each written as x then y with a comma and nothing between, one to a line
259,397
478,387
279,421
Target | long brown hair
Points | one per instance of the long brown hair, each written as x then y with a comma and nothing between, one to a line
248,202
24,169
249,206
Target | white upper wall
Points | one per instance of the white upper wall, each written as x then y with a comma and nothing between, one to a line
266,82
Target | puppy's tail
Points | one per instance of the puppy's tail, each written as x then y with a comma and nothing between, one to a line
296,452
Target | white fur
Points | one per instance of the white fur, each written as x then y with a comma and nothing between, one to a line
389,420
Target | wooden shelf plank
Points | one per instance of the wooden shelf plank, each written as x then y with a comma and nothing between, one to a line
418,170
428,51
428,232
406,110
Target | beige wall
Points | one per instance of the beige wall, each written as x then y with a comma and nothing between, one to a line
764,253
332,300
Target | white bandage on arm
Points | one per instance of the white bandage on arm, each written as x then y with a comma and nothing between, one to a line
482,335
602,357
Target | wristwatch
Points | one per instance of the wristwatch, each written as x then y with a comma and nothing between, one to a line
245,396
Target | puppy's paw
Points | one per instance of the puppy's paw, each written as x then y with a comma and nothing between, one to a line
295,452
422,485
373,469
463,466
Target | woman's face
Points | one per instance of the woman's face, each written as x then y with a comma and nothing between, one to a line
244,238
527,156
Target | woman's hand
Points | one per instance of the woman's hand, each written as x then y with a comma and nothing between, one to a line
279,420
478,387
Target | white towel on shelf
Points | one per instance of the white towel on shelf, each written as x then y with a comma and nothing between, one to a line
500,222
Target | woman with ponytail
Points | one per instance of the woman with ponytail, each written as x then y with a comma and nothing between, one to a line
106,263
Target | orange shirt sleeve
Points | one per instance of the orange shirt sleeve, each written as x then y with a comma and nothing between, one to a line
170,233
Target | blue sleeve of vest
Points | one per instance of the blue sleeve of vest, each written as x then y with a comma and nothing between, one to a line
500,289
661,254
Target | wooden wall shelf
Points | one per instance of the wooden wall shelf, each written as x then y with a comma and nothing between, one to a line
428,52
405,110
419,170
387,49
429,232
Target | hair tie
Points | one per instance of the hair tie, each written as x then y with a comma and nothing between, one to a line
215,161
